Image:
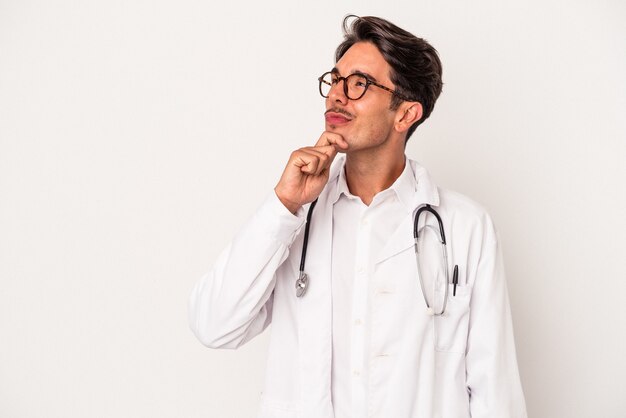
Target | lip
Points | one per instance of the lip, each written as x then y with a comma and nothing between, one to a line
334,118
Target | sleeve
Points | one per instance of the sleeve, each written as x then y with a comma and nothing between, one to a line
492,374
232,303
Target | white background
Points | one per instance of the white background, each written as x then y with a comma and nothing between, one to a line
137,136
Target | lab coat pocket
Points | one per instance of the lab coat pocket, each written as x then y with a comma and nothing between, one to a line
451,328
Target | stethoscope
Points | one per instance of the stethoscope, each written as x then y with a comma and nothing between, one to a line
302,283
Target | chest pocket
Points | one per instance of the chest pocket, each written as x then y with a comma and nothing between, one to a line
451,328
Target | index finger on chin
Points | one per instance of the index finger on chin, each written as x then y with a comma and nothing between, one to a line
329,150
330,138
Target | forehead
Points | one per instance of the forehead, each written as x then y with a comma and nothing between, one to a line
366,58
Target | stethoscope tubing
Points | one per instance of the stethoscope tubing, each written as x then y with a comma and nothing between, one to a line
302,283
444,250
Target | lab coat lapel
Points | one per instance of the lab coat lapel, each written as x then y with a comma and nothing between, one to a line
425,193
400,240
315,314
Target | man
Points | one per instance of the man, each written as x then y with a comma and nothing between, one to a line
368,327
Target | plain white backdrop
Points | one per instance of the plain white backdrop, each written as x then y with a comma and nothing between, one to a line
137,136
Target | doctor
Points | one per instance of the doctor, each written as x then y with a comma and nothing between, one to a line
378,330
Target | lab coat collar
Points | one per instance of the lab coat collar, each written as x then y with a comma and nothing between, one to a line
426,192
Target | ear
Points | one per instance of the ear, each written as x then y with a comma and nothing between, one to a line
407,114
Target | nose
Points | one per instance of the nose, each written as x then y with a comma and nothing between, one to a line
337,93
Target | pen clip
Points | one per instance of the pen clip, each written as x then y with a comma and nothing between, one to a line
455,279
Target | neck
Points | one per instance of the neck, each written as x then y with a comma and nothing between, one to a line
372,173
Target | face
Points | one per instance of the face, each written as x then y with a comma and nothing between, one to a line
368,122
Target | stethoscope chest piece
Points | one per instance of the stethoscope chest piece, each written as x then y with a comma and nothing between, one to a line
303,280
302,284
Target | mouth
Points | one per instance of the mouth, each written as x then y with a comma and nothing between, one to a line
337,117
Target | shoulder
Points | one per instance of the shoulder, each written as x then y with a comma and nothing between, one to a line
453,203
466,214
459,203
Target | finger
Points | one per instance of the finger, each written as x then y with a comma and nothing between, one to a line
332,138
306,161
326,155
320,161
327,151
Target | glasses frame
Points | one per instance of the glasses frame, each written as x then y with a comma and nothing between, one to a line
368,82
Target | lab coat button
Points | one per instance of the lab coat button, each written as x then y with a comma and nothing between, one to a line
358,322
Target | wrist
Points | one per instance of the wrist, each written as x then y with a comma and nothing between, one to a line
291,206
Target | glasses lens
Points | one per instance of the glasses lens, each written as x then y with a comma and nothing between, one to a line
326,82
356,84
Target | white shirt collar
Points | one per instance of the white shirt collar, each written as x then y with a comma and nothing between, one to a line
412,188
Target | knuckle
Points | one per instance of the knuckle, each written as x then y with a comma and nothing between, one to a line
299,153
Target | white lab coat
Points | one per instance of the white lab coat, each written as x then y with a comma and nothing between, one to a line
465,364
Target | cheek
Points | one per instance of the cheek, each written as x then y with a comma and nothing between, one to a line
375,121
380,123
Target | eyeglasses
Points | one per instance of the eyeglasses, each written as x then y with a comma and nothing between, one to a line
354,86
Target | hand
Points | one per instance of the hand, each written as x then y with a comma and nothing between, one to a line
307,171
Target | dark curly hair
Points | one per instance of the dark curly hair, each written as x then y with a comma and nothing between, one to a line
415,64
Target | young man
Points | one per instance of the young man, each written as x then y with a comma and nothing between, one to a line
366,325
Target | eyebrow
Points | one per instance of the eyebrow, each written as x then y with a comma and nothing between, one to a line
335,70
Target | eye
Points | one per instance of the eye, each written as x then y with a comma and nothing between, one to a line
359,81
